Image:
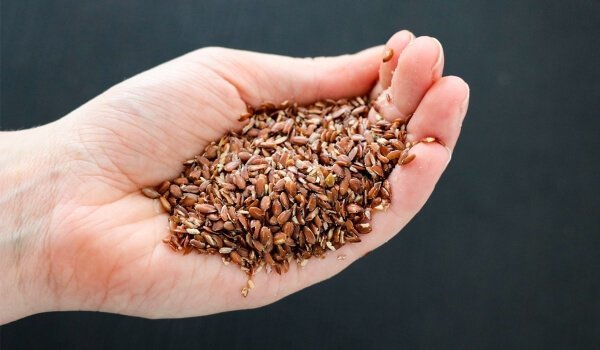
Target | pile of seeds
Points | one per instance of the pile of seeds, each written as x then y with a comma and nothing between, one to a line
295,183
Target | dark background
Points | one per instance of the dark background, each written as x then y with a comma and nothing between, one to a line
506,254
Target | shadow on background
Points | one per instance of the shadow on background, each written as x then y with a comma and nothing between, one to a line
506,254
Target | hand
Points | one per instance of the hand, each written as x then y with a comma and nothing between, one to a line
98,244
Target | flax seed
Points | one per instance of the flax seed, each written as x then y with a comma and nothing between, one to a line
388,53
296,182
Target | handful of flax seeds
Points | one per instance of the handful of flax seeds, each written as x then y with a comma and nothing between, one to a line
295,183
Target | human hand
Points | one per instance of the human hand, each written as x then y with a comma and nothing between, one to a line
95,243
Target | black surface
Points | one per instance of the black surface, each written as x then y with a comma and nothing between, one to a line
506,254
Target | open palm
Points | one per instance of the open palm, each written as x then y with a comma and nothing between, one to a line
104,240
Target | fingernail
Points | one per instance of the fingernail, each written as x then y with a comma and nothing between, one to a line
465,105
440,57
449,154
411,36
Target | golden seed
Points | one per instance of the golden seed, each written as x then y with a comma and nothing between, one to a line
330,180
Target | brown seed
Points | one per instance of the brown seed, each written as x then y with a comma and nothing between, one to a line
165,204
260,185
239,181
288,228
244,253
265,235
364,228
377,170
256,213
197,244
224,213
284,200
279,238
312,215
205,208
164,187
344,185
395,154
340,112
231,166
356,185
265,203
290,187
258,246
269,259
309,235
217,225
150,193
284,217
213,217
337,170
408,159
244,156
276,208
175,191
374,191
312,203
296,182
300,199
236,258
190,188
279,185
343,160
188,201
299,140
257,225
243,221
244,117
388,53
354,208
181,181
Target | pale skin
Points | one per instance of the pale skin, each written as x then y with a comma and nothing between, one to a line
77,234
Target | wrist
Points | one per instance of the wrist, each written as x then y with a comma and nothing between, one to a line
28,188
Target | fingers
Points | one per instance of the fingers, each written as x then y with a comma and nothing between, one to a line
395,45
419,66
263,77
438,104
384,107
440,115
436,109
441,112
412,185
